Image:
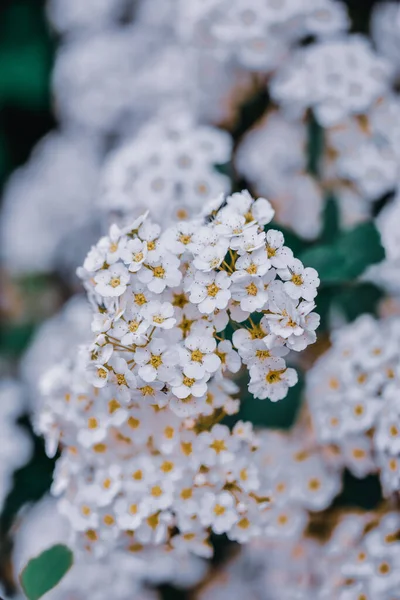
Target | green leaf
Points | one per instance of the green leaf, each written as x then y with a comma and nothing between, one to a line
44,572
331,221
347,258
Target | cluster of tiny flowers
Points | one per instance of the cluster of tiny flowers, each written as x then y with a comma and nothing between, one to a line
146,462
300,478
360,561
352,393
336,78
260,34
169,164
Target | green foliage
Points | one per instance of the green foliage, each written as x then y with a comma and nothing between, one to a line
30,482
44,572
348,256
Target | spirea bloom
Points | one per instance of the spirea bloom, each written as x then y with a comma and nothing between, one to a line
146,463
352,393
359,561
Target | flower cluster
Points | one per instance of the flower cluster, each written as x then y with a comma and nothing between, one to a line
273,158
261,34
168,167
146,462
360,560
337,78
352,393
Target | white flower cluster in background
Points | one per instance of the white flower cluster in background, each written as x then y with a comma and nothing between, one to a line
260,34
53,341
15,447
273,158
41,527
168,168
74,16
360,560
301,480
385,31
48,203
352,393
146,466
337,78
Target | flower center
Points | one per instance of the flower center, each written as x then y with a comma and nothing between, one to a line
197,356
252,289
153,521
273,376
158,319
180,300
263,354
140,299
121,379
219,510
156,491
138,257
186,493
151,245
167,466
185,239
244,523
102,373
115,282
212,290
186,448
188,381
218,446
113,405
133,326
156,360
297,279
252,269
147,390
159,272
314,484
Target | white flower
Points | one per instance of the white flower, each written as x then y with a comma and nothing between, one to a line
272,380
134,254
161,272
112,281
218,511
255,264
210,291
198,357
184,386
156,361
300,282
159,314
131,328
250,292
229,358
278,254
209,258
217,446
